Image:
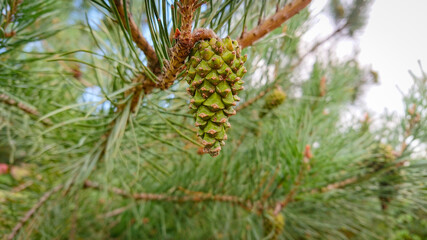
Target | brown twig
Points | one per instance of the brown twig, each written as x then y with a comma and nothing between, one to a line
271,23
318,44
415,118
184,44
22,106
199,197
346,182
266,194
22,186
114,212
138,38
185,41
256,98
31,212
179,53
305,166
336,185
10,17
292,67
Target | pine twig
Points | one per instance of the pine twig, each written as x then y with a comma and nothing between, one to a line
22,186
31,212
346,182
266,194
256,98
273,22
10,17
319,43
199,197
415,118
305,166
185,41
293,66
138,38
336,185
23,107
114,212
179,53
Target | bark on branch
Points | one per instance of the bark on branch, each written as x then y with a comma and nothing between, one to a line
199,197
273,22
23,107
138,38
31,212
185,41
10,17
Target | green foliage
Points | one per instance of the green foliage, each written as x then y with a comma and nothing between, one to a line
66,117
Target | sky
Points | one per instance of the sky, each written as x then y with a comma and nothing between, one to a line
392,42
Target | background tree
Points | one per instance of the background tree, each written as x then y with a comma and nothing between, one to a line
96,141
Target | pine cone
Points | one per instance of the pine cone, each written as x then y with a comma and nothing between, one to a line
273,225
215,71
273,100
384,157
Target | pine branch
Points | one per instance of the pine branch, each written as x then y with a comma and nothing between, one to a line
23,107
179,53
273,22
305,166
198,197
137,37
22,186
31,212
185,41
319,43
256,98
295,65
114,212
415,118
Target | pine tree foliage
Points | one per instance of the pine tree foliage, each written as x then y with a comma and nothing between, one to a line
96,140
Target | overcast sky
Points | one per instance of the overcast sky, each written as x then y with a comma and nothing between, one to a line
392,42
394,39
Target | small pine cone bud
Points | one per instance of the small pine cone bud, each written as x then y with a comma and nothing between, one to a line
273,224
274,99
214,73
383,157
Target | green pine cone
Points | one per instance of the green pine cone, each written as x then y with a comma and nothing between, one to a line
273,225
214,73
274,99
384,157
